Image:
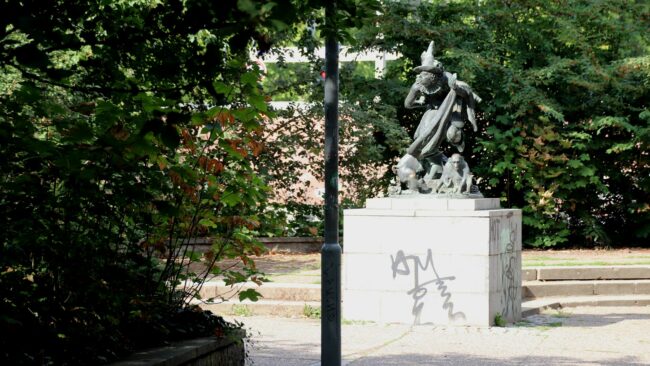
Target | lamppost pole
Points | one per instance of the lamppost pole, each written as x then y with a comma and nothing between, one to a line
331,250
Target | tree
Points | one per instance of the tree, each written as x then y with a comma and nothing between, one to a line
563,126
127,128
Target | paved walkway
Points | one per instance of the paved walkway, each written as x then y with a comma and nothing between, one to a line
576,336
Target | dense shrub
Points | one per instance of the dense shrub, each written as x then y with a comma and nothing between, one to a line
126,128
565,118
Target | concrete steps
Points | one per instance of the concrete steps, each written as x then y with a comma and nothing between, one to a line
287,309
536,306
559,287
586,273
294,309
542,288
277,299
268,290
537,289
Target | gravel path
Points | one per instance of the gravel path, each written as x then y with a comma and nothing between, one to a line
577,336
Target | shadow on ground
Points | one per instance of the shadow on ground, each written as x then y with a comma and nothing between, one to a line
590,336
293,355
283,353
571,319
464,359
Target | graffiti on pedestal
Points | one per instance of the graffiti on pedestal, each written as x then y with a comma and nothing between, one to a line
406,265
510,281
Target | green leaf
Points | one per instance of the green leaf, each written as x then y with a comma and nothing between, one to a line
231,198
251,78
258,102
194,256
223,88
574,163
233,277
250,294
247,6
207,223
621,147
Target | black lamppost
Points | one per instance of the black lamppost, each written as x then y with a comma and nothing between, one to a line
331,250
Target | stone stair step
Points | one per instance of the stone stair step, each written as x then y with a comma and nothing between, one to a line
293,309
529,274
632,272
530,289
300,300
288,309
537,289
268,290
536,306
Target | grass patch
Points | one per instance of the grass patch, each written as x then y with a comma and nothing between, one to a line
524,323
311,312
242,310
499,321
356,322
562,314
288,277
539,326
551,259
550,326
573,263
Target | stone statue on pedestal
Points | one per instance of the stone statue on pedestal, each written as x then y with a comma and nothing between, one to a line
449,103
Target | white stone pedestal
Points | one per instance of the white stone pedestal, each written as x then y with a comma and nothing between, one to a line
419,259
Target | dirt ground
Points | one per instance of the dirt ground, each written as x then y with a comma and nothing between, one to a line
588,254
280,262
292,268
305,268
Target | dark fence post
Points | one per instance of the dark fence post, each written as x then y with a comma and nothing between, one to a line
331,250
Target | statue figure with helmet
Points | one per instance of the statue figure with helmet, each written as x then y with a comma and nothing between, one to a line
449,103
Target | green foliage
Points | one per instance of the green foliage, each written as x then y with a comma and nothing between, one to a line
370,135
499,321
564,122
563,126
249,294
312,312
292,219
126,129
242,310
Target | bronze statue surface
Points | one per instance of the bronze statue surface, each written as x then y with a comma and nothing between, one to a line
448,103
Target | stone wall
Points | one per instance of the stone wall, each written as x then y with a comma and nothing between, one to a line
208,351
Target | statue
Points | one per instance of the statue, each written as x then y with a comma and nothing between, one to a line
456,177
449,103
